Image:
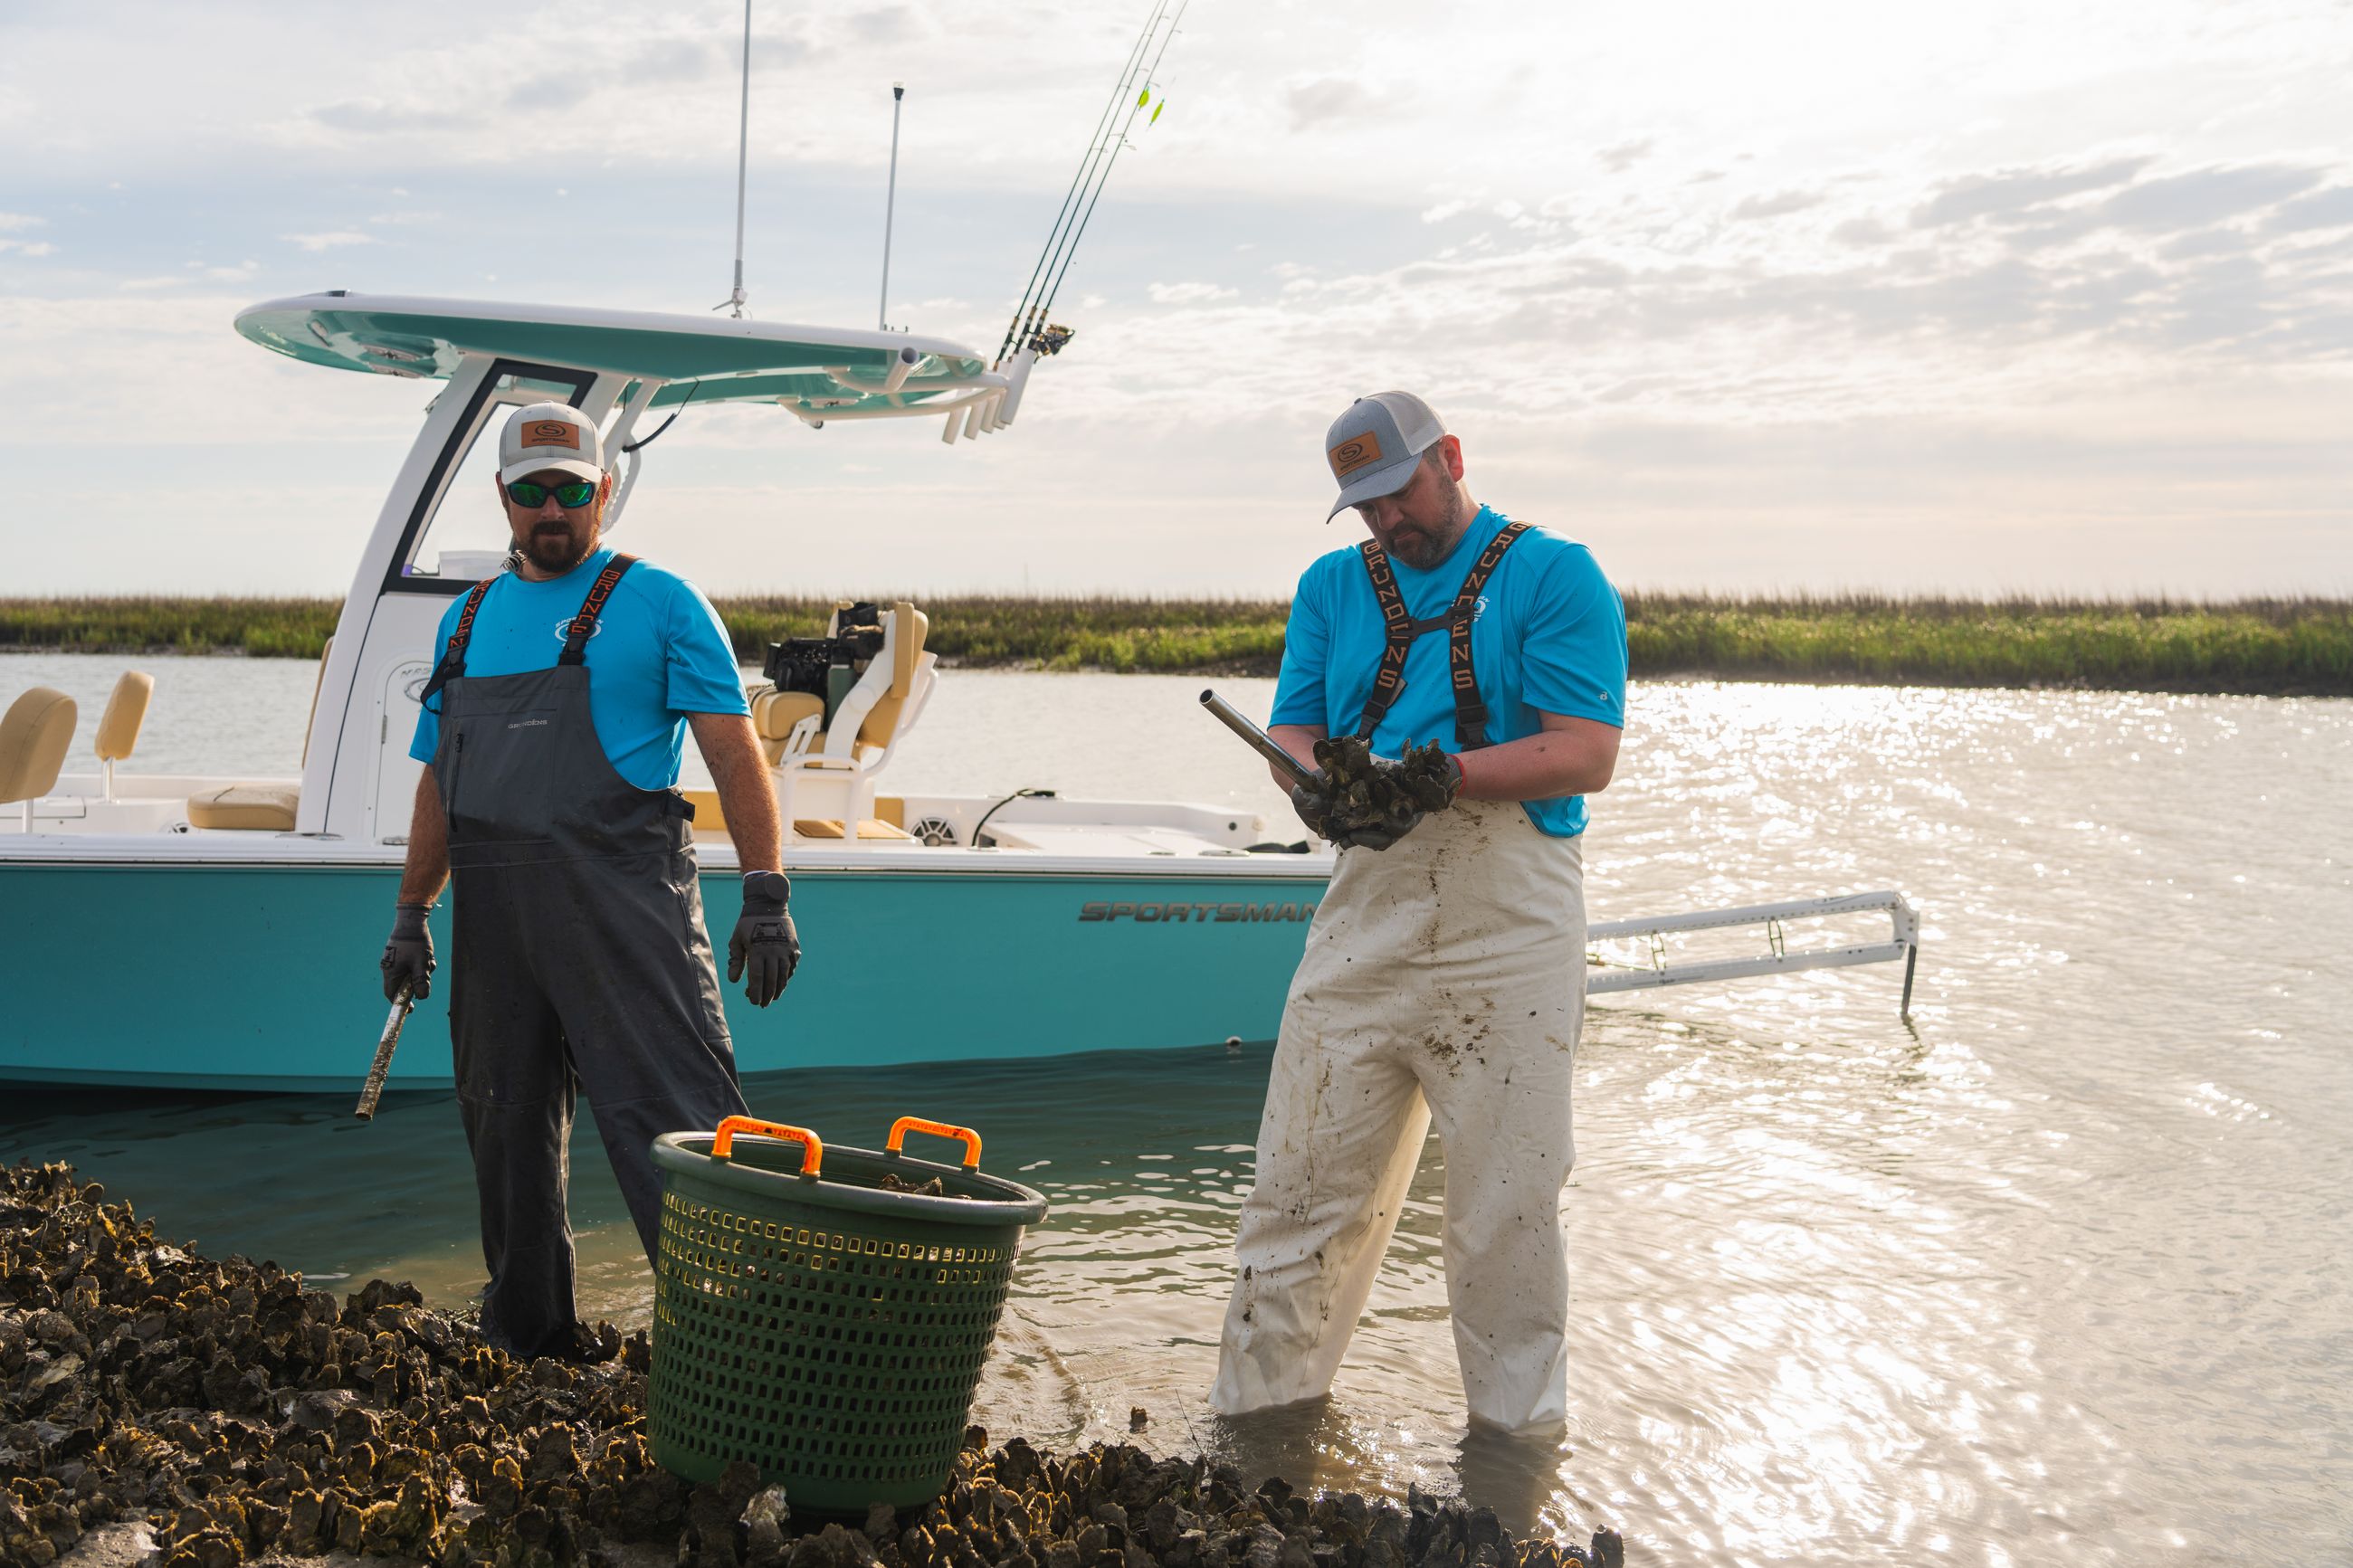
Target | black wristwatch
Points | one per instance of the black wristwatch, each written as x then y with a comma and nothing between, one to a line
767,885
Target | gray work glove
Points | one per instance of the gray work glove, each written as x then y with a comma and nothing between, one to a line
1313,802
765,949
1373,835
408,956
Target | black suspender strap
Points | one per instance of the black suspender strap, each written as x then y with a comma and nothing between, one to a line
584,625
1401,630
1470,712
453,658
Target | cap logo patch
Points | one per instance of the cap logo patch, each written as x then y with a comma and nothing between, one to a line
1353,453
551,433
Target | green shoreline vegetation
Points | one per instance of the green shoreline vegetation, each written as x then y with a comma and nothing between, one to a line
2273,646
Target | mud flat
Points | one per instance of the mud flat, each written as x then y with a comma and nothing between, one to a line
159,1406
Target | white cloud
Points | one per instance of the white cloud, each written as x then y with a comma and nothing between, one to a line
1621,156
1188,294
17,223
1326,100
1679,268
331,239
1777,203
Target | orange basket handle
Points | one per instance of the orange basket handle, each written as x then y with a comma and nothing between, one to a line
906,1124
813,1153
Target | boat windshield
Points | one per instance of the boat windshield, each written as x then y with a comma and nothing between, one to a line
464,537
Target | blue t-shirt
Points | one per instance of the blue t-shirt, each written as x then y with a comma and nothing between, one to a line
1549,634
658,654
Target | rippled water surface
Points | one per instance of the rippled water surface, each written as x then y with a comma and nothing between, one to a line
2057,1274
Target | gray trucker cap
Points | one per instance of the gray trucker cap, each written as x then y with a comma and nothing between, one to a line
1373,447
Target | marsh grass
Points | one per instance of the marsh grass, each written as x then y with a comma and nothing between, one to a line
2263,646
264,629
2268,646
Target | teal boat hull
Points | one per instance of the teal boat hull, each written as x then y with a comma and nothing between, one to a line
264,977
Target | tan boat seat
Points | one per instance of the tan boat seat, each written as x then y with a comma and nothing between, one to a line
259,808
882,725
888,821
774,713
126,711
117,727
34,736
830,827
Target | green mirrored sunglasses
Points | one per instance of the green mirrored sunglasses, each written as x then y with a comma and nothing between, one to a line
525,493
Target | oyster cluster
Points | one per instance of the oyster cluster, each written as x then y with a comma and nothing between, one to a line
241,1418
240,1414
1117,1506
1372,796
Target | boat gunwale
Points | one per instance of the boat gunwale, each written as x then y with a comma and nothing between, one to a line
896,860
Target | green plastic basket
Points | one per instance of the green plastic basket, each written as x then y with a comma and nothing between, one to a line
814,1323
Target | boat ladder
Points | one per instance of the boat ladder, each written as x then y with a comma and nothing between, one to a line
1904,942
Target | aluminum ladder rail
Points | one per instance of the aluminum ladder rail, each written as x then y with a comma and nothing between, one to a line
1904,942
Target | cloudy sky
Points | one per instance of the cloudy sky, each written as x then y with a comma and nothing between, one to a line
2035,296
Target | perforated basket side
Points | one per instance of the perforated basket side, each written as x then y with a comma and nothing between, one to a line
836,1350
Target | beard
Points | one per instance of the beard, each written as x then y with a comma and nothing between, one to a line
1423,547
1420,550
556,548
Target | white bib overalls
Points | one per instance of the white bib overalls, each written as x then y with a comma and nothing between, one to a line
1443,984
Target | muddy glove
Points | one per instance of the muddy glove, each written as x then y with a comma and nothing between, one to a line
1399,795
765,949
1313,802
408,956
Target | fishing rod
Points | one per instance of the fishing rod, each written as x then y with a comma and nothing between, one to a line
1068,247
1149,77
1083,179
1086,163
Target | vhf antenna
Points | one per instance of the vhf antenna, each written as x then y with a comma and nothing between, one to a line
743,158
890,201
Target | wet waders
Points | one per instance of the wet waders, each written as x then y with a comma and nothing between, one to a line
581,964
1443,984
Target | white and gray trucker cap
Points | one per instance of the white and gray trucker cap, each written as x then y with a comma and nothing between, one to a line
549,436
1373,447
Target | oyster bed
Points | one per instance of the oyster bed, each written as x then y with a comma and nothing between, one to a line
238,1416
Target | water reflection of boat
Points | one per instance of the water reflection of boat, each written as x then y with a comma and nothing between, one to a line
221,932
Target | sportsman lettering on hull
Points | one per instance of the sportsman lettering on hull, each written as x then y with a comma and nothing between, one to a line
1204,913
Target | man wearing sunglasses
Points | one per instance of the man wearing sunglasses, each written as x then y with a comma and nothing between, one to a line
553,727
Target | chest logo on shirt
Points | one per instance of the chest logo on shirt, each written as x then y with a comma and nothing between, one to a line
564,629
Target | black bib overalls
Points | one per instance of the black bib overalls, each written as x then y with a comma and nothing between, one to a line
580,963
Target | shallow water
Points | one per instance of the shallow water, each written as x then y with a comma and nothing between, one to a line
2058,1274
